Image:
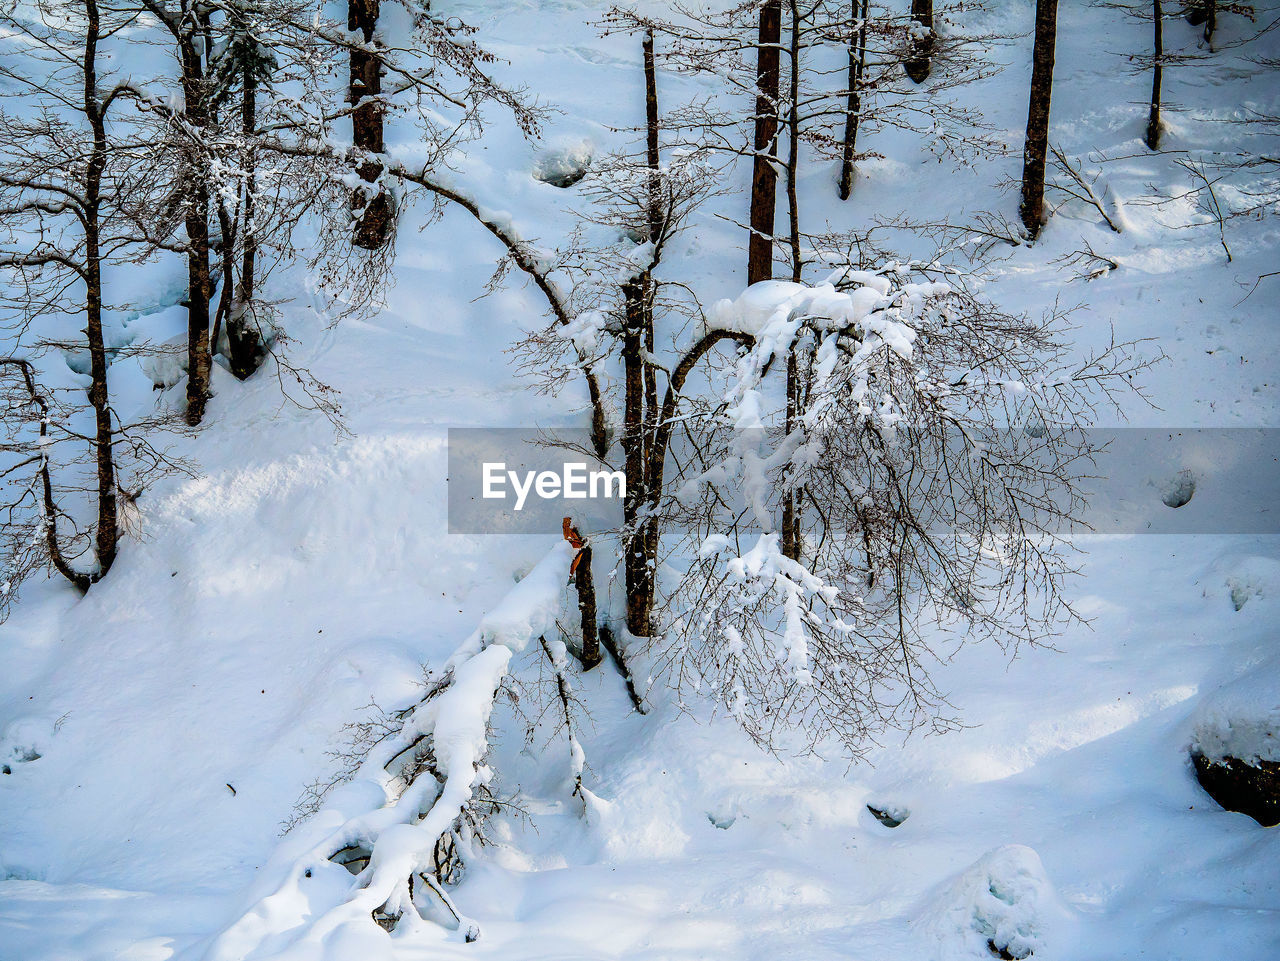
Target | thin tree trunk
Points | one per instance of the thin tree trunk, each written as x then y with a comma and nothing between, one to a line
857,67
1153,121
375,211
641,411
790,506
585,585
106,533
764,177
651,135
920,55
197,226
1037,143
637,565
244,340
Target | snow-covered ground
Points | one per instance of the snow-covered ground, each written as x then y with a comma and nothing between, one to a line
180,709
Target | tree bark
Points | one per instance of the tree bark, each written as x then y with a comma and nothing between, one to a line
920,56
857,67
790,503
196,218
373,207
1206,12
1037,142
585,585
764,177
244,340
106,533
1153,120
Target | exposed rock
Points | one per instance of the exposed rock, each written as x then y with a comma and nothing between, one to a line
1252,789
890,817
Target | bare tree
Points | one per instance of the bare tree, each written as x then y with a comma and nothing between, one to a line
67,195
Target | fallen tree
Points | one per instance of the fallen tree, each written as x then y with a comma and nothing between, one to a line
374,857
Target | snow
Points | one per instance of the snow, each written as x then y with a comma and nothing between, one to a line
1242,719
181,708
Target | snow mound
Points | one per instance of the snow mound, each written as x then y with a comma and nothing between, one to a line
25,739
1003,906
1242,578
1241,719
564,163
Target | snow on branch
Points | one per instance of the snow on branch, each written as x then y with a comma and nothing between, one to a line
371,859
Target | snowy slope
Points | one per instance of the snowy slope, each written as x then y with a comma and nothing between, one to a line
181,708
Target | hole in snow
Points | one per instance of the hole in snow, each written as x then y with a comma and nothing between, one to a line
1007,953
563,165
354,858
890,817
1178,490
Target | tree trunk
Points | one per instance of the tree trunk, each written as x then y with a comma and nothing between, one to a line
372,206
790,505
106,533
1153,120
638,565
1037,143
1206,12
244,340
197,225
585,585
857,67
764,177
919,57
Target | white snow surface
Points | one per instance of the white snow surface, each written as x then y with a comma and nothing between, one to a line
159,731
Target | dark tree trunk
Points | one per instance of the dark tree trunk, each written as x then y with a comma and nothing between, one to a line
1153,120
919,57
857,67
373,207
651,135
764,176
585,585
638,564
106,533
1206,12
790,504
244,340
197,223
1037,143
643,456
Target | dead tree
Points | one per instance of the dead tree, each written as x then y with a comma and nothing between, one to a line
1036,147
